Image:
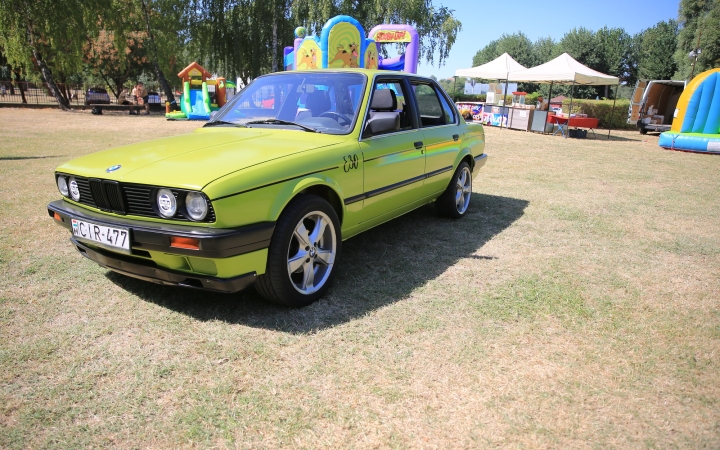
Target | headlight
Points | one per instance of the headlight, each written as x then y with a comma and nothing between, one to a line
196,205
167,205
74,191
62,185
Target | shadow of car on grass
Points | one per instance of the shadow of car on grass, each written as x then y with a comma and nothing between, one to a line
376,268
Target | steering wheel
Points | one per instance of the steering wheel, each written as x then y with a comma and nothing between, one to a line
336,116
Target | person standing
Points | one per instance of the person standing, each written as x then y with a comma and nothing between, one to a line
542,104
141,96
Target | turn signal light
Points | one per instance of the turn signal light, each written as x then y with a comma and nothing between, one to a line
183,242
57,217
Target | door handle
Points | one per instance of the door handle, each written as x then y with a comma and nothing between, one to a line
456,137
419,145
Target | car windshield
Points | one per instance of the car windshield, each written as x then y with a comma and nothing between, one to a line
325,102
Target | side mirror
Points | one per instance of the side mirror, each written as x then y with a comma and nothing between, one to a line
382,122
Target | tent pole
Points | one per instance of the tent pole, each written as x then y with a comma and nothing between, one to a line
505,105
612,112
549,97
572,94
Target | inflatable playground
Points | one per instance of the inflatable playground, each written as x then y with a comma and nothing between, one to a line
201,94
343,43
696,126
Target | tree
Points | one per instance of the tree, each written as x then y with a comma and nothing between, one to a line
544,50
154,14
614,49
580,43
48,35
656,46
700,22
516,45
116,64
453,86
486,54
241,39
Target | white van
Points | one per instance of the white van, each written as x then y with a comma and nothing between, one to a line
653,104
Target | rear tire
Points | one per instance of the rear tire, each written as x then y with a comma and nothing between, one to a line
302,254
455,201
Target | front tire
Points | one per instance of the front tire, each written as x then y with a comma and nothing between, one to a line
302,254
455,201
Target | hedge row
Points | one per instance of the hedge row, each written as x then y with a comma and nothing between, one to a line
468,98
602,109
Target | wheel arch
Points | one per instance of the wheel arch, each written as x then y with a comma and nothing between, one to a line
464,155
323,187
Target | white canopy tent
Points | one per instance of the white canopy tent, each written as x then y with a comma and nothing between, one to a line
566,70
563,70
497,69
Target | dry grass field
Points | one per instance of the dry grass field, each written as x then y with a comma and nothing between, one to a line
576,306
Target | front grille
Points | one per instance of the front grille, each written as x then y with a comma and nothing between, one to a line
107,195
130,199
139,200
85,192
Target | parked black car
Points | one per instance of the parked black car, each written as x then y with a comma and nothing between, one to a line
97,96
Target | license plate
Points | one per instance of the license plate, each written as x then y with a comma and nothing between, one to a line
113,237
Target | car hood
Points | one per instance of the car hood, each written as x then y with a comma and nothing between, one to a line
192,161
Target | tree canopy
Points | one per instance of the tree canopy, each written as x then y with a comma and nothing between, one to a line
117,41
700,28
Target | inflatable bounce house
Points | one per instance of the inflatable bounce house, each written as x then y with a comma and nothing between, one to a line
198,101
696,126
343,43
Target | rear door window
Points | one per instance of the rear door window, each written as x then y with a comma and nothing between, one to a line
433,107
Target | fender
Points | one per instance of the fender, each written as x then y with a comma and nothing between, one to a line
291,190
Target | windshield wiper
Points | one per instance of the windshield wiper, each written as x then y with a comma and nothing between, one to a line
222,122
282,122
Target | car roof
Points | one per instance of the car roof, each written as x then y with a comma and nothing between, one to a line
369,72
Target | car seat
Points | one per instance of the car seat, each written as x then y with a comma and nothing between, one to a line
317,102
383,107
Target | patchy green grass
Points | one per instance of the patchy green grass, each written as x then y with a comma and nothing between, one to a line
577,305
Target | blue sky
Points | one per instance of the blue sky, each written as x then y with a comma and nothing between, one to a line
485,21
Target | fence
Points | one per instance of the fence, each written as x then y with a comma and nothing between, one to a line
39,94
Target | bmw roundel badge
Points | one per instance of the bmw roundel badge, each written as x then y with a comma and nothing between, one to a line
113,168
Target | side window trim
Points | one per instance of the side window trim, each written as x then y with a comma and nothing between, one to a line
412,101
408,97
450,104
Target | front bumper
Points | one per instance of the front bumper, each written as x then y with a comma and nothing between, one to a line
151,236
145,270
239,253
